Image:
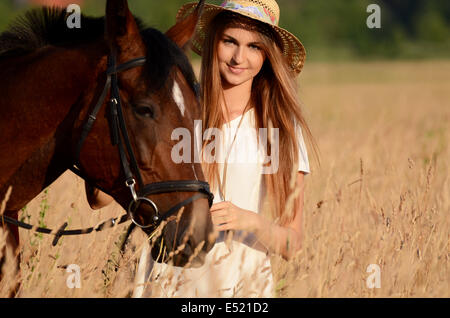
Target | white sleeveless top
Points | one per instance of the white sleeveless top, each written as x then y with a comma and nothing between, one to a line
241,269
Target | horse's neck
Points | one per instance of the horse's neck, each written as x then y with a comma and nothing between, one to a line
42,91
45,85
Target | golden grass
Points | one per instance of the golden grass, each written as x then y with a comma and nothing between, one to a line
380,196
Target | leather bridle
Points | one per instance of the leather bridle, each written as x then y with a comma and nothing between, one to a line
120,138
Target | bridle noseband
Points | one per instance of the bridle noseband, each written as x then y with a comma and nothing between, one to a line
120,138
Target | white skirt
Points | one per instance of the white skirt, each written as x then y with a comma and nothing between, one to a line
238,271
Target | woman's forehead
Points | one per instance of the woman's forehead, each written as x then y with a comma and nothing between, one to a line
242,34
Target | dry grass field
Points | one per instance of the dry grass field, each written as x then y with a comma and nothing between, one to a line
381,195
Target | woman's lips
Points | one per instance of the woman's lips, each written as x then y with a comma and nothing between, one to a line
235,70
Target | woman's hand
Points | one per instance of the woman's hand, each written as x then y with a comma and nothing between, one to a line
227,216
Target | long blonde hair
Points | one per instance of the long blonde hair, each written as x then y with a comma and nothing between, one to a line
275,101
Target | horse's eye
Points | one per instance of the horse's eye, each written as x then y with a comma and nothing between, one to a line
145,111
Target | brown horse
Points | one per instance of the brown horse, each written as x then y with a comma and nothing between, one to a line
52,79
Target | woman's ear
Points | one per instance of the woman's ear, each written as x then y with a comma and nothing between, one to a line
182,32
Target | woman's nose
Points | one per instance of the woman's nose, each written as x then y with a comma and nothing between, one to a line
239,55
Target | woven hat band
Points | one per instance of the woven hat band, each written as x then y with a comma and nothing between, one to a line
253,9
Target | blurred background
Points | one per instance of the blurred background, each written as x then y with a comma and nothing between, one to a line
329,29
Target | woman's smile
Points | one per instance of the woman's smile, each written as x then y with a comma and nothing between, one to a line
236,70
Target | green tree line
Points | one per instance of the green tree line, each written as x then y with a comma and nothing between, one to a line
329,29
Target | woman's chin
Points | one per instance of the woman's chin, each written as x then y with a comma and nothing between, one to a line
234,80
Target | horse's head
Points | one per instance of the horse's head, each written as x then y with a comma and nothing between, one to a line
157,97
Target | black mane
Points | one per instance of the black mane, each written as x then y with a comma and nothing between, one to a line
47,26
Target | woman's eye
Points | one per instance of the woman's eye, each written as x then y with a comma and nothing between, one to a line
255,47
227,41
144,111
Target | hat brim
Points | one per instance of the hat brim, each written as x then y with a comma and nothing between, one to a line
292,48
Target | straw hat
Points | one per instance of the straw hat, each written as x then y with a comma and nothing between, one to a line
265,11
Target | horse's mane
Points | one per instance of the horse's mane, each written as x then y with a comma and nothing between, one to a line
47,26
40,27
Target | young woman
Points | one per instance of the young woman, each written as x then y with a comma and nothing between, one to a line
254,155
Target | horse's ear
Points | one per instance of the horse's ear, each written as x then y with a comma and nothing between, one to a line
182,32
122,32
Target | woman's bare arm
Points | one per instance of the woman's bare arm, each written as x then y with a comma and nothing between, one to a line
284,240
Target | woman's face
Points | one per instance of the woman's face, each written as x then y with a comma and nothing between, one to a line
240,56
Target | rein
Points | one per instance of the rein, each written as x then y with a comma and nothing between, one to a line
120,138
61,231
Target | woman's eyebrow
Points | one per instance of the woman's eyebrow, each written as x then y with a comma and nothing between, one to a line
229,37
